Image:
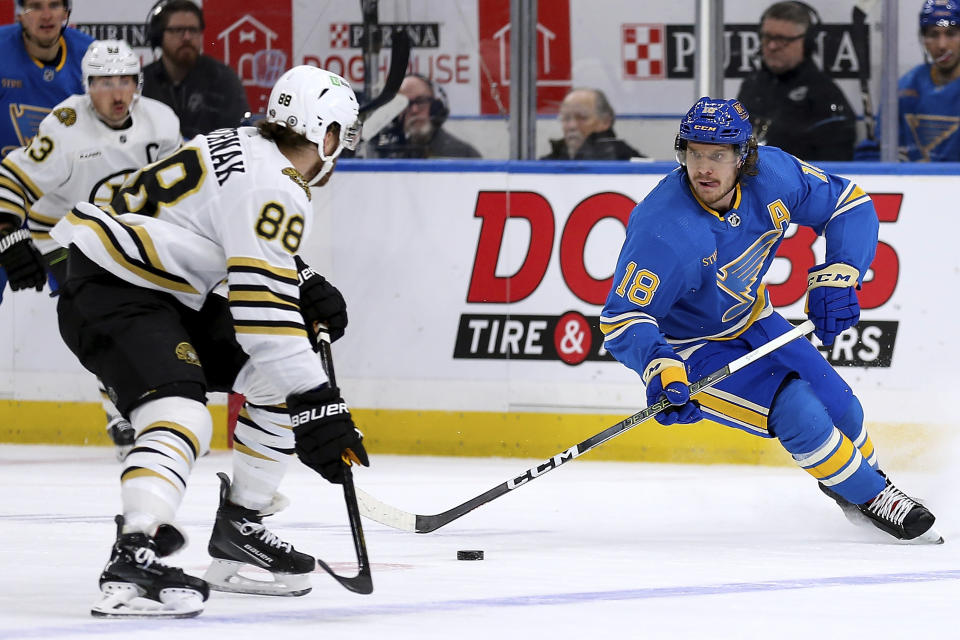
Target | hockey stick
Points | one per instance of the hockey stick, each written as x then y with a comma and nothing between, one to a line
399,58
383,513
859,34
363,581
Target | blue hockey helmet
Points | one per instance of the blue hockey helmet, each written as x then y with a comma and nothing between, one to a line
939,13
715,122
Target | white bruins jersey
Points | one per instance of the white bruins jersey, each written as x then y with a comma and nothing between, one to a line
227,205
75,157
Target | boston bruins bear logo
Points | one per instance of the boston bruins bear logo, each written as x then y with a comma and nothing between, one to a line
187,353
66,116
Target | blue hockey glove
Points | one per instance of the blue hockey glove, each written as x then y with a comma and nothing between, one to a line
832,302
668,378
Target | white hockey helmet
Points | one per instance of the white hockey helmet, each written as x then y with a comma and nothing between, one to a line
110,58
308,100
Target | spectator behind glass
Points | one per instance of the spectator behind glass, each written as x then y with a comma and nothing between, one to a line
929,94
793,104
204,93
586,118
418,132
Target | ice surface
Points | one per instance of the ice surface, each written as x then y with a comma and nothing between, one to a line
595,548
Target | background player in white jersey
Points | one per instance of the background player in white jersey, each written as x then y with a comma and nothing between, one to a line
136,309
83,151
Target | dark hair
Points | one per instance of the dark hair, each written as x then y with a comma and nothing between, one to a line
790,11
749,167
286,137
159,18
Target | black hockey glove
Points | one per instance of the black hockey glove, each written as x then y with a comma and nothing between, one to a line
320,302
22,261
324,432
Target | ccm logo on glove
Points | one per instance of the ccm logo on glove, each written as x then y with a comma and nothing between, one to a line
319,413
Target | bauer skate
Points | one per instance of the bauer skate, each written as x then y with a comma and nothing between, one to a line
135,584
239,540
893,512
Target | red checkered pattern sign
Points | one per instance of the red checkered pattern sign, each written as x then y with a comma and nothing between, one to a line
339,35
644,56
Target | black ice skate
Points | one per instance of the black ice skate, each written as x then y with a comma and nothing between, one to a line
239,540
135,584
893,512
122,434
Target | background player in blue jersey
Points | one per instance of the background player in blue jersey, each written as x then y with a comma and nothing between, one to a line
688,298
41,67
929,94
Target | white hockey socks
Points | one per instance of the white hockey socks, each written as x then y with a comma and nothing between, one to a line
172,433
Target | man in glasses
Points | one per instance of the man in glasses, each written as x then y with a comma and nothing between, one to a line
205,93
418,132
586,119
793,104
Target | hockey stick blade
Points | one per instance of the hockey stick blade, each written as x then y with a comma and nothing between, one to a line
379,119
390,516
363,581
399,58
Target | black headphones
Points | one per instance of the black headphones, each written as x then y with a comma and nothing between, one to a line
813,29
439,105
157,19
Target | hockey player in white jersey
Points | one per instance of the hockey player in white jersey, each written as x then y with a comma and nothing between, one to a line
137,310
83,150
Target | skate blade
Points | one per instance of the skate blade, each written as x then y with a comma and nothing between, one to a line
124,600
224,575
931,536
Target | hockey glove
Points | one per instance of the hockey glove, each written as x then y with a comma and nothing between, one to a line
324,432
22,261
320,302
668,378
832,302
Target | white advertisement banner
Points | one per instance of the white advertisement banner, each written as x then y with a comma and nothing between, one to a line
480,290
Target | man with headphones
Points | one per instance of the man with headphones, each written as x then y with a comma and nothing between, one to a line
41,67
793,104
418,131
204,93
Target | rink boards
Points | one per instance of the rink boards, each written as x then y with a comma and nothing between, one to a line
473,292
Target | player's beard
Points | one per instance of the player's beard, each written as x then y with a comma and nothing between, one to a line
712,196
949,66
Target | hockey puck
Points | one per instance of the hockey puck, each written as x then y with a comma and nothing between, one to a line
470,555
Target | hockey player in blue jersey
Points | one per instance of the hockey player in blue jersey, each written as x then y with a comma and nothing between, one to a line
688,298
41,67
929,94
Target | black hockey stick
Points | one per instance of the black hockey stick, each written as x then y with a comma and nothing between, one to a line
363,581
383,513
399,58
859,33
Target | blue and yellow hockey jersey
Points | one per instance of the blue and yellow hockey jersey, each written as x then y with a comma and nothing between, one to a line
29,88
929,117
688,273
